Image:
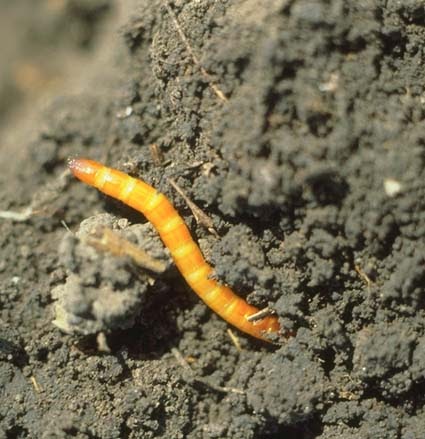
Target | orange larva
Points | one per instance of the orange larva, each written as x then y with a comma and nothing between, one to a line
176,236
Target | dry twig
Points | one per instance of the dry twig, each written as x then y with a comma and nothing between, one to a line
200,216
195,58
260,314
105,239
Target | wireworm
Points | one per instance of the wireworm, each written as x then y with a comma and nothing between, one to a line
176,236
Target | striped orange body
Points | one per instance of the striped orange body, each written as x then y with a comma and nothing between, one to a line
176,236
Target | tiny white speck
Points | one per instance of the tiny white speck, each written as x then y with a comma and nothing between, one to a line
127,112
392,187
331,85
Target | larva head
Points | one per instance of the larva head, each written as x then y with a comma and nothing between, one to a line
84,169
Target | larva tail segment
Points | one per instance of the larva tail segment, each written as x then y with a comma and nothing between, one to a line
176,236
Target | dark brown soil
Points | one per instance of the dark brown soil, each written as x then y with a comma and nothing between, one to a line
298,126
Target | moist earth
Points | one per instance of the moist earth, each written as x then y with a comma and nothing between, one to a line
298,128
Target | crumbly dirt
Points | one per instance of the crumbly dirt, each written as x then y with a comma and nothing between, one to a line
298,127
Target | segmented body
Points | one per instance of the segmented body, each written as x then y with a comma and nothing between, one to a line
176,236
